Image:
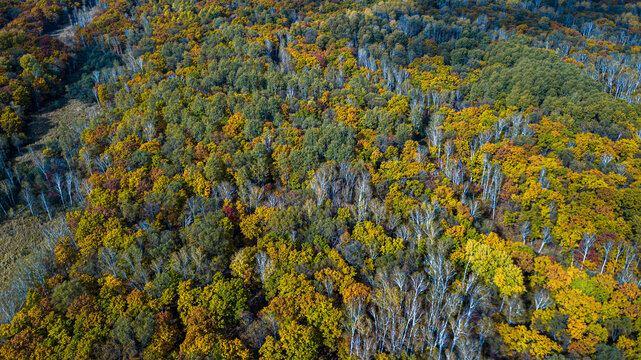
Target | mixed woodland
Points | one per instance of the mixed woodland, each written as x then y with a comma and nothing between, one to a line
368,179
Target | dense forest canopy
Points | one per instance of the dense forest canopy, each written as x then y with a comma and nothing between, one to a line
372,179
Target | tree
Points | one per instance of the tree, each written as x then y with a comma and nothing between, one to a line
10,122
521,340
223,299
296,342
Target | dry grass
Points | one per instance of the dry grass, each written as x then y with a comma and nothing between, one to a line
21,233
44,126
66,35
19,237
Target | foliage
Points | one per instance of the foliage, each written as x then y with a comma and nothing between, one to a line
324,180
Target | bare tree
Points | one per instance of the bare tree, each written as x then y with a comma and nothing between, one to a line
39,162
157,267
58,180
349,178
525,231
225,190
108,261
363,197
103,162
275,200
10,175
543,178
69,179
403,233
474,209
181,261
435,138
393,221
354,315
606,248
133,262
449,151
497,181
546,238
378,211
148,131
86,156
255,196
264,266
605,160
45,205
542,300
586,245
320,183
54,231
513,309
28,199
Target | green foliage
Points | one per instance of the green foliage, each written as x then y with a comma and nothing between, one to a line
321,180
591,287
521,76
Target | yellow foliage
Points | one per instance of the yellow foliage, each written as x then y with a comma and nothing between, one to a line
527,341
234,126
576,327
494,265
348,115
369,234
242,264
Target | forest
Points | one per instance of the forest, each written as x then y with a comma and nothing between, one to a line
359,179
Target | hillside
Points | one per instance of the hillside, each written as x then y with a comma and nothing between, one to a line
200,179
